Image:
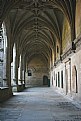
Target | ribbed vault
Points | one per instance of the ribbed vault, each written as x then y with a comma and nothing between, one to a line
36,25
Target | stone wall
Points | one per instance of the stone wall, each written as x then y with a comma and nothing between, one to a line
71,65
57,81
57,50
66,35
78,18
38,69
71,68
76,75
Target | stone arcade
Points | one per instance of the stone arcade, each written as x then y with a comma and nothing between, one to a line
40,45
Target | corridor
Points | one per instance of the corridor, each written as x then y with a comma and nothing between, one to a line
39,104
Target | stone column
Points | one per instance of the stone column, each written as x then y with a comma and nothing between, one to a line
15,70
24,70
15,73
4,54
23,76
4,68
14,65
8,64
19,72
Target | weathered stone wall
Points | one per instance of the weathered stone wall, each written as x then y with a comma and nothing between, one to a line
71,66
38,70
57,50
78,18
54,75
71,76
66,35
76,77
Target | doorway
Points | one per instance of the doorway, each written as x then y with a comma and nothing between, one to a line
45,80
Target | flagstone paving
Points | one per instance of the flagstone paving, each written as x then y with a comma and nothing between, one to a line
39,104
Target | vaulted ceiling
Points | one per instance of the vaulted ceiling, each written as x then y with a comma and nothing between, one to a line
36,25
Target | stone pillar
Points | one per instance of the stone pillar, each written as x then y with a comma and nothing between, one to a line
4,54
14,65
23,76
15,70
8,65
4,66
21,70
19,79
24,69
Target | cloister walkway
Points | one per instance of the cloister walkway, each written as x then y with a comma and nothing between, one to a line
39,104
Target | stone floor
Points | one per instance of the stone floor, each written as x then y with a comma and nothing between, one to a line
39,104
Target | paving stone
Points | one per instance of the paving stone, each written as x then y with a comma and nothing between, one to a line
39,104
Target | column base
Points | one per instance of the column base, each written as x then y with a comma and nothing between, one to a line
5,83
5,93
14,88
18,88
